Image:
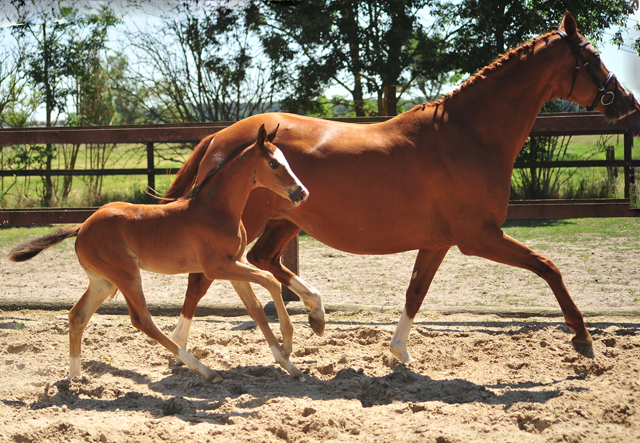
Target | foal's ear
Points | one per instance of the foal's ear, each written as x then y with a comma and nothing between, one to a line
272,136
262,136
569,25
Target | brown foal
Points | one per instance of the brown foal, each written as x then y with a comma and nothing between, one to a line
201,233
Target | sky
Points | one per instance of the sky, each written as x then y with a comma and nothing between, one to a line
625,62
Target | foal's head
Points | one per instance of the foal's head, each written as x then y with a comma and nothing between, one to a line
272,170
591,84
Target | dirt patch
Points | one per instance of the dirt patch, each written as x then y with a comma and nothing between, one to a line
472,378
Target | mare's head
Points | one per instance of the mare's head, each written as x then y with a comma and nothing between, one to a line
588,82
271,168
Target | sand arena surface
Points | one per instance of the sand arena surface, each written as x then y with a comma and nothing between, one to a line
474,378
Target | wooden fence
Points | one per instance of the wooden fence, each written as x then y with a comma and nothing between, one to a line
549,124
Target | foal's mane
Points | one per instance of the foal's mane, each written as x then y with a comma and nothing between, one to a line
196,189
487,70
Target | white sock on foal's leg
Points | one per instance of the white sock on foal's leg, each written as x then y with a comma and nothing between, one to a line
74,367
196,365
181,333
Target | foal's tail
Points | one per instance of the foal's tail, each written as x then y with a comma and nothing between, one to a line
30,249
188,173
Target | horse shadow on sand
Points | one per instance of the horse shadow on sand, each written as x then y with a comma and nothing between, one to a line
192,398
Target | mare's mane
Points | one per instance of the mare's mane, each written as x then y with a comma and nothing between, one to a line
487,70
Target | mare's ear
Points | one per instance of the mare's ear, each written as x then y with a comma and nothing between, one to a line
569,25
262,136
272,136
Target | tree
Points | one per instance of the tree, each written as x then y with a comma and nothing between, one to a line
64,45
16,104
365,47
388,47
488,28
204,64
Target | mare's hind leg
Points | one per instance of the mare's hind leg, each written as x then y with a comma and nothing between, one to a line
97,292
240,276
196,289
266,253
131,288
424,269
497,246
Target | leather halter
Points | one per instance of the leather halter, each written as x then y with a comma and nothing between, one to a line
605,97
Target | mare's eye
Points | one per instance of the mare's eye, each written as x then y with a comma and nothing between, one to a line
274,164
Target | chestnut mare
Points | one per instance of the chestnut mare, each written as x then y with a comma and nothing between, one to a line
436,176
202,233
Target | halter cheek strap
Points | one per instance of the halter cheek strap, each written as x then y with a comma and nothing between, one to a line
605,97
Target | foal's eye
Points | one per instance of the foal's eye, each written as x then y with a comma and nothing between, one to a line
274,164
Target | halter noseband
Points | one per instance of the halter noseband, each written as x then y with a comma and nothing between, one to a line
606,97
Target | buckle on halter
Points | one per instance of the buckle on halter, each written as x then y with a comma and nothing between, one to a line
605,101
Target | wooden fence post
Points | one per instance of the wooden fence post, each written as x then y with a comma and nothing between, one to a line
290,260
629,172
151,176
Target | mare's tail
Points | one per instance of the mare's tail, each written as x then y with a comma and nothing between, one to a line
188,173
30,249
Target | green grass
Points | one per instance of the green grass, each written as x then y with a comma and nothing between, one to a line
567,230
580,183
10,237
18,192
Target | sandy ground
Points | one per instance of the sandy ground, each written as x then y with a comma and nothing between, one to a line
474,378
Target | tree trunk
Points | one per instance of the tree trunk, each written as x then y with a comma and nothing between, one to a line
354,52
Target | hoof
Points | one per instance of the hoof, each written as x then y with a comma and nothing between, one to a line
177,363
402,354
584,349
213,377
297,376
317,325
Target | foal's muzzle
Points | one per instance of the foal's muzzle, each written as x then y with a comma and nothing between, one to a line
298,195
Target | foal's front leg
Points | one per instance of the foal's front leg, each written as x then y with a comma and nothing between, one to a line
240,276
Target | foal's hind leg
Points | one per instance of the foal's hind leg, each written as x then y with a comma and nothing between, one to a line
427,263
99,289
131,288
266,253
497,246
196,289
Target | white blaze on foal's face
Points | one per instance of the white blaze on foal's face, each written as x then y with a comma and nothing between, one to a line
283,161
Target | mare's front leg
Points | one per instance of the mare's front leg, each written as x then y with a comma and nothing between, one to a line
266,253
197,287
424,269
240,276
495,245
